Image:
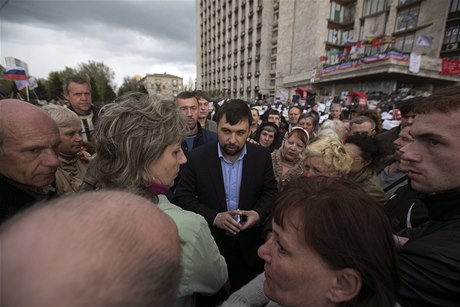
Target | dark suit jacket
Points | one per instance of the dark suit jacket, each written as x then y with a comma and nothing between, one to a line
201,190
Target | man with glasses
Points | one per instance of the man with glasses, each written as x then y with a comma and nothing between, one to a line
77,91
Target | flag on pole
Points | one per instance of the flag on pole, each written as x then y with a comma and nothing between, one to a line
15,73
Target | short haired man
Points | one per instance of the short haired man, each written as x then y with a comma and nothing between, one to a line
294,115
78,92
386,139
273,116
203,103
74,161
430,261
231,183
362,125
93,249
255,122
29,141
188,104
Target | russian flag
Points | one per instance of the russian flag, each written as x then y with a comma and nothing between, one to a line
15,73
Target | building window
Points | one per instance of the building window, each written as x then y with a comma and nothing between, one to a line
334,55
339,37
274,51
340,13
375,6
404,43
407,19
273,66
272,82
452,35
404,2
455,6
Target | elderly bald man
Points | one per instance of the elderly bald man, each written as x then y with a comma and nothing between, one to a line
29,142
93,249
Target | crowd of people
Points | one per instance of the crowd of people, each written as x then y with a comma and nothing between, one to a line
151,202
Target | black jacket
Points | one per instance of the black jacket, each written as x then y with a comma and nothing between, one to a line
430,262
15,198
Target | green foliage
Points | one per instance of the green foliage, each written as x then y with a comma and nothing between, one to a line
54,86
131,84
7,87
40,90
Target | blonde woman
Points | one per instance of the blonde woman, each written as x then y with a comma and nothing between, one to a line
326,157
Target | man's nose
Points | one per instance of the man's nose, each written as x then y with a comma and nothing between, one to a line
50,158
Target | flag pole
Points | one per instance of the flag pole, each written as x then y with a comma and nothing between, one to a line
27,92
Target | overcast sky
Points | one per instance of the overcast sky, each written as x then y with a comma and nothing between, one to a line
133,37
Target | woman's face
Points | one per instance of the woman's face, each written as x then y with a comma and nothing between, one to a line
292,148
314,166
165,169
295,275
358,162
307,124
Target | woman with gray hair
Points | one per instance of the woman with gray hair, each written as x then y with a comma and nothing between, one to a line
73,159
138,148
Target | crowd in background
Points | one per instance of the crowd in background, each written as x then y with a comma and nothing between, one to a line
193,203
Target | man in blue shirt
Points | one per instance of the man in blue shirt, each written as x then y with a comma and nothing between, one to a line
231,183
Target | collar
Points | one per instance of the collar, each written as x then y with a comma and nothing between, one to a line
443,205
221,155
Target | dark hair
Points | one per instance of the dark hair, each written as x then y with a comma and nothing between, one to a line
347,229
408,105
73,79
255,109
442,101
235,110
361,119
295,107
263,126
369,148
201,94
187,95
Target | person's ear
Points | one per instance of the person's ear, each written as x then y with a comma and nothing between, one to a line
347,285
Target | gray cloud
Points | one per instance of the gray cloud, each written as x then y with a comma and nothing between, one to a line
156,32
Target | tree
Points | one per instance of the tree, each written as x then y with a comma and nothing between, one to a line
102,77
54,86
190,86
94,91
40,90
131,84
7,87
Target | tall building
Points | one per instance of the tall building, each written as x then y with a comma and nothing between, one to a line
286,48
